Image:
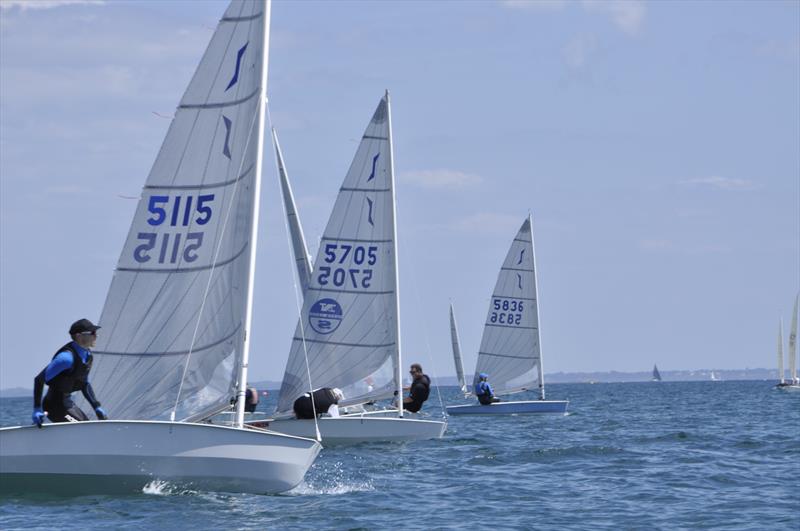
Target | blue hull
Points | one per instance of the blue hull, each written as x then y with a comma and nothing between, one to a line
512,408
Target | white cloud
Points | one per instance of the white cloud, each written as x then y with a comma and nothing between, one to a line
45,4
440,178
627,15
721,183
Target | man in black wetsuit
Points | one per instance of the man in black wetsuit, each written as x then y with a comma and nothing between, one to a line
324,400
66,373
419,390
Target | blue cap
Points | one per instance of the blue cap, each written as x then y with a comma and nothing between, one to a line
483,375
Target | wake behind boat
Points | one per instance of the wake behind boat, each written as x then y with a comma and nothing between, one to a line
177,316
348,333
510,349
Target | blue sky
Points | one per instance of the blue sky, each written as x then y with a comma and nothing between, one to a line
656,144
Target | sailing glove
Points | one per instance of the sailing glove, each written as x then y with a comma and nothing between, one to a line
38,416
101,413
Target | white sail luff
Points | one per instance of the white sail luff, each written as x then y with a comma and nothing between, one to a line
792,354
457,352
299,247
780,351
536,302
262,105
398,369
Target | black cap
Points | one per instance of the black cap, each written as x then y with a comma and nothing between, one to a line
82,325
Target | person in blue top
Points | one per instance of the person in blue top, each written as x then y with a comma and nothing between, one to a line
484,391
66,373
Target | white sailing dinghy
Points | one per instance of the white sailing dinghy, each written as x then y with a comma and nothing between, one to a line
348,335
510,348
462,384
793,383
173,347
656,375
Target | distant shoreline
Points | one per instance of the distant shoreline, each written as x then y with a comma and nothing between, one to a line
556,378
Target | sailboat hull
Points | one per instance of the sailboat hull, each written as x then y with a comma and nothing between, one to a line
789,388
512,408
360,429
125,456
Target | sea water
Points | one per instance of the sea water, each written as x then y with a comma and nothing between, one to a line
669,455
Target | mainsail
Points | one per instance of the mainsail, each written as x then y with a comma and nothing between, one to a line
457,352
301,257
793,343
656,374
510,350
175,318
347,332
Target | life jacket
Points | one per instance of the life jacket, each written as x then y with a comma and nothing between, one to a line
423,387
74,379
323,400
482,388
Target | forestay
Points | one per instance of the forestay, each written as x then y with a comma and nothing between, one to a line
348,324
176,308
510,351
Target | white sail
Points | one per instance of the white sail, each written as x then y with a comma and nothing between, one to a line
299,248
457,352
656,374
348,327
793,343
780,351
174,322
510,349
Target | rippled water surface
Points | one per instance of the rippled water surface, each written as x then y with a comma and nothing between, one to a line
722,455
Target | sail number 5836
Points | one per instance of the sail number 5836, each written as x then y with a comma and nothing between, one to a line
506,311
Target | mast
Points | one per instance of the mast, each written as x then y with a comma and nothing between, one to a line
780,351
398,369
457,351
538,316
256,205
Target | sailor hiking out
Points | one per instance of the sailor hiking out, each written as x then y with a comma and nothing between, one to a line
484,391
323,400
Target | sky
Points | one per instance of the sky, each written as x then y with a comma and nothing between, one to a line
656,144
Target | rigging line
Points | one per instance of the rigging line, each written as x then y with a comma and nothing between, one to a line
424,328
295,280
214,264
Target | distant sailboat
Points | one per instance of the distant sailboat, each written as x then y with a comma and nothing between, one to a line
714,377
510,349
792,384
656,374
457,353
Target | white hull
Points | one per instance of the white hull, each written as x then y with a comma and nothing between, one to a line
359,429
789,388
512,408
124,456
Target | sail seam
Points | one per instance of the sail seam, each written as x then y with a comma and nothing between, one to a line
219,105
340,344
358,292
241,19
343,189
181,353
515,298
327,238
373,137
511,326
507,356
516,269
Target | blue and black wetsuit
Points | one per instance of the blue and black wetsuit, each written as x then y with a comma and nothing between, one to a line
485,393
66,373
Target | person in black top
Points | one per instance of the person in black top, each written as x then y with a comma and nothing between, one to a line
419,390
323,400
66,373
251,400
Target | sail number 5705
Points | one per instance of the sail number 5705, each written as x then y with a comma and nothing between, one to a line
349,255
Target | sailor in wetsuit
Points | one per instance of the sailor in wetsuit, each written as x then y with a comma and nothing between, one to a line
66,373
484,391
419,390
251,400
325,400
